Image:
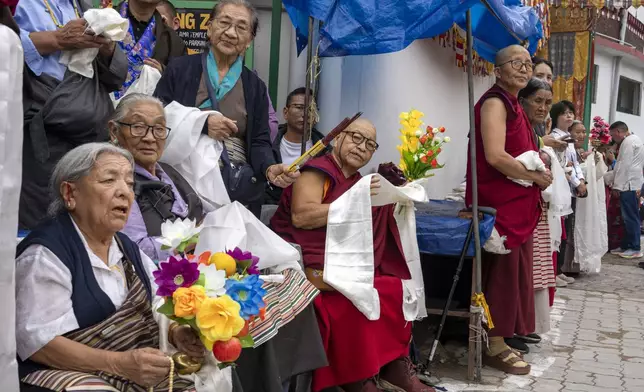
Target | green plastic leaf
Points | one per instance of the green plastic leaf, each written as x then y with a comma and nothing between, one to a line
167,308
165,247
246,341
202,280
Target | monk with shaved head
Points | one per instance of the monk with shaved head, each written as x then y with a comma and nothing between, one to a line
364,355
503,132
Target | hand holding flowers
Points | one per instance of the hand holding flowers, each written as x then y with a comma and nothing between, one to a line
213,297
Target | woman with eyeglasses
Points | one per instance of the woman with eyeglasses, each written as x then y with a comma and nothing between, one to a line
160,192
218,80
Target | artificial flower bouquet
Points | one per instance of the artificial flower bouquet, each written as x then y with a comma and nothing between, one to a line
217,294
420,146
600,133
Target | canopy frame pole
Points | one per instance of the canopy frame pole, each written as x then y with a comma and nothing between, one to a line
309,76
475,318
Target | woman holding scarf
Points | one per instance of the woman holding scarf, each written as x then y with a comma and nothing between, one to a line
218,80
149,41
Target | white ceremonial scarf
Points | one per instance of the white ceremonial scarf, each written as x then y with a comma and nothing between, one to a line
349,260
195,155
11,138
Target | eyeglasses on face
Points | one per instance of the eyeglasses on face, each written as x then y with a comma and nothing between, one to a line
225,24
296,107
159,132
518,64
357,138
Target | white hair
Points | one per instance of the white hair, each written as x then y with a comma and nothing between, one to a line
131,100
77,164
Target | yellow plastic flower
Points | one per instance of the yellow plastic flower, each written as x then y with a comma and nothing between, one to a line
188,300
219,319
416,114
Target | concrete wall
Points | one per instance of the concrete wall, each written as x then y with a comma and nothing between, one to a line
630,69
423,77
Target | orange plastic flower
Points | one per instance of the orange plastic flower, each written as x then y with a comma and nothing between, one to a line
188,300
204,258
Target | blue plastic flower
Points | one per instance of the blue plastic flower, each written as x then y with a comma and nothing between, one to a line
249,293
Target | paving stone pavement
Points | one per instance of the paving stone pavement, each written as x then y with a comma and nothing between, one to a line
596,341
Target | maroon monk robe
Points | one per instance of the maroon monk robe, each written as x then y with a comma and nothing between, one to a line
507,279
356,347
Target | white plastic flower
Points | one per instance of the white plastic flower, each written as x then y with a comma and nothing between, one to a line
174,233
435,131
438,139
416,158
418,133
447,139
215,280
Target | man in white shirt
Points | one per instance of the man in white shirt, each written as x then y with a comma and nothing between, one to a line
287,146
627,182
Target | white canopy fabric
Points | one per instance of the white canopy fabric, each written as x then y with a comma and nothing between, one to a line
10,175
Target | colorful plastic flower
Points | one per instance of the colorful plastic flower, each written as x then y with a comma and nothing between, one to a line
215,280
248,292
175,273
188,300
245,261
219,319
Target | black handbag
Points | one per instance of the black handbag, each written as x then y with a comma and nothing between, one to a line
240,180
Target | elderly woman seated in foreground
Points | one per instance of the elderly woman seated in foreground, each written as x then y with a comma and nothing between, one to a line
161,194
358,350
85,293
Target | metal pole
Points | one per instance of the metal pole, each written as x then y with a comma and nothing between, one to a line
274,64
307,95
475,196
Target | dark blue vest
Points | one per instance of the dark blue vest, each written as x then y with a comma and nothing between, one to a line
91,304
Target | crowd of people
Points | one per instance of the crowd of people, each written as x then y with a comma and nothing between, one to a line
96,189
557,224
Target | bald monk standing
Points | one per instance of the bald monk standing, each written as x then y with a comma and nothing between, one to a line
503,132
364,355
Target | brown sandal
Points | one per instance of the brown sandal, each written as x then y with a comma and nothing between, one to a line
505,362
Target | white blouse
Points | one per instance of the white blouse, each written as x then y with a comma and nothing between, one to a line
44,292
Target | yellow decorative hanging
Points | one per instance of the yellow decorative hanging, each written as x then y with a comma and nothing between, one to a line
478,299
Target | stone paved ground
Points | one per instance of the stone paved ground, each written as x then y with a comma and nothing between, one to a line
596,342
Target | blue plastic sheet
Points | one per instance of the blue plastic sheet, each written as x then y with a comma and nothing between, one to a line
440,232
364,27
490,35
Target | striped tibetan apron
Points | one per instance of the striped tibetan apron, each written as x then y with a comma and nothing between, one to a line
284,301
130,327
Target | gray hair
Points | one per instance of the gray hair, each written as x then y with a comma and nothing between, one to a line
77,164
131,100
254,17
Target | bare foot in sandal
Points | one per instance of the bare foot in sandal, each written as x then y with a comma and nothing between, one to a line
507,361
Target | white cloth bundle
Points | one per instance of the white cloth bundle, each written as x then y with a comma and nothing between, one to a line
591,229
233,225
195,155
349,260
146,83
559,196
106,22
532,162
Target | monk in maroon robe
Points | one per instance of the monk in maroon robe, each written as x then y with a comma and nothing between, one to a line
357,349
502,133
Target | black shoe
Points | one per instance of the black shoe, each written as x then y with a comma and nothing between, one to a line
518,345
532,338
641,264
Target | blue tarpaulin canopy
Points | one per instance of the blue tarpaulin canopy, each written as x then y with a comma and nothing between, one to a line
363,27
